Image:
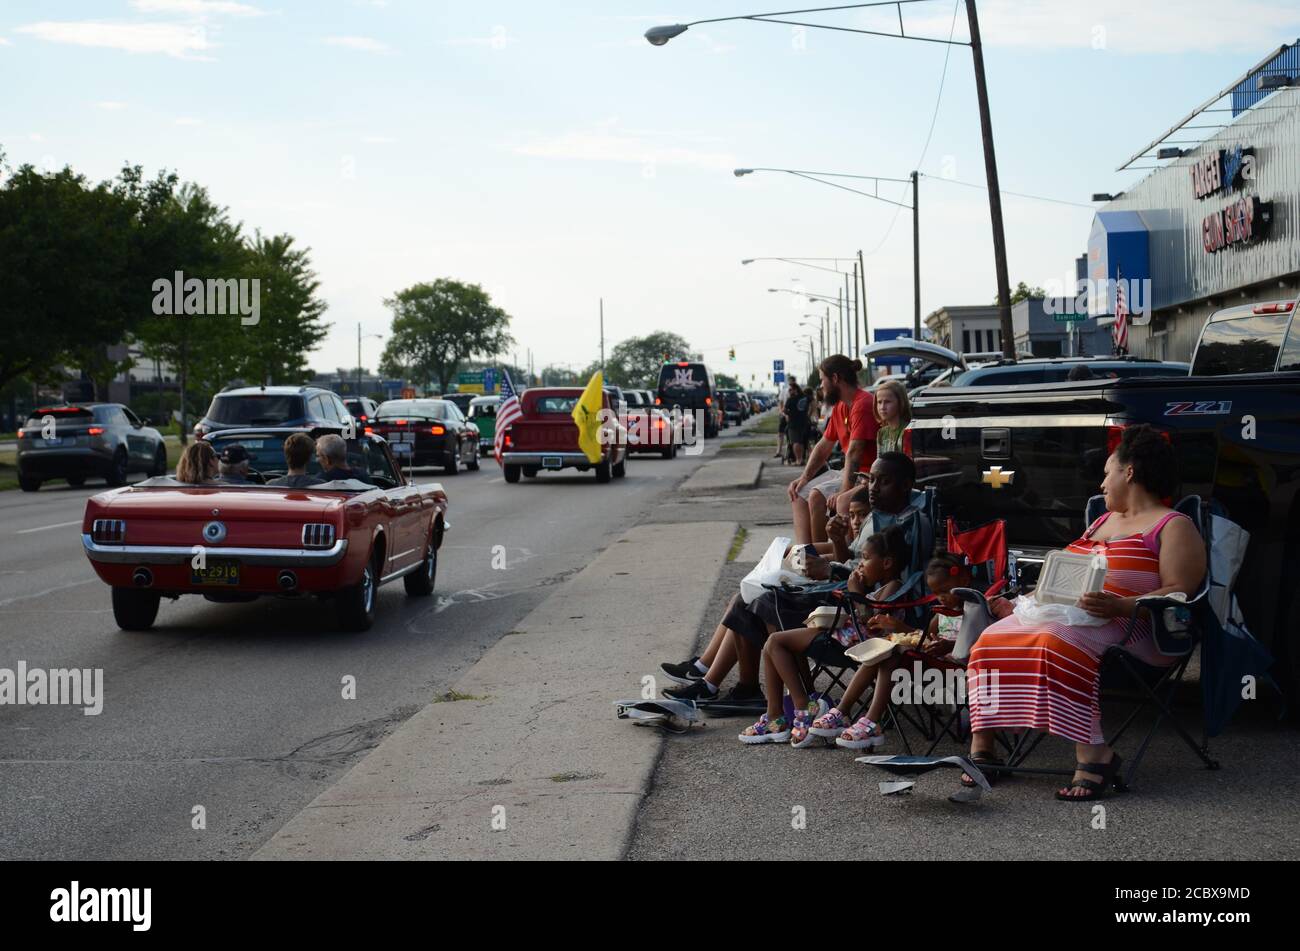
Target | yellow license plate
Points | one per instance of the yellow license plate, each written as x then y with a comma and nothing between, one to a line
220,572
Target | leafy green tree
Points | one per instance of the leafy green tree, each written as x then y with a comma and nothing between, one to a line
65,246
634,363
1023,292
437,327
274,350
725,382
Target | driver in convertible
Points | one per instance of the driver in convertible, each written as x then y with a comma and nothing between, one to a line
298,450
332,454
233,463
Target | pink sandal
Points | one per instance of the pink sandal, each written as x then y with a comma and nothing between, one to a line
766,731
862,735
830,725
800,732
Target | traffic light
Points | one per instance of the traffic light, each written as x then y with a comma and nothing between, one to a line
732,354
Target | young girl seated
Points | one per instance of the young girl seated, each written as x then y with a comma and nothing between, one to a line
885,558
944,573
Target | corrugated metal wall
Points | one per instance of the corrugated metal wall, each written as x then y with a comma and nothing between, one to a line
1181,269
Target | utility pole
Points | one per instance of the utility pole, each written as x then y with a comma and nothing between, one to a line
995,192
862,290
358,393
916,256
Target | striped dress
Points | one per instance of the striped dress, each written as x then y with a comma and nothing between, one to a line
1047,676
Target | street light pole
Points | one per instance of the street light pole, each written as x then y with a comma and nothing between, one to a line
916,256
659,35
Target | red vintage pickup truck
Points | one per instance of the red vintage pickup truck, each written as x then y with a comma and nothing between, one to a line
546,437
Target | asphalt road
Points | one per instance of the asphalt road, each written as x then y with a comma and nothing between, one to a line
239,708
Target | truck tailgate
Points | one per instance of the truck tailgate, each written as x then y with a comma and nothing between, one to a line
992,453
535,435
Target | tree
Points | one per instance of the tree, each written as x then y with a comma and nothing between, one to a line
1023,292
725,382
274,349
556,375
635,363
64,252
436,327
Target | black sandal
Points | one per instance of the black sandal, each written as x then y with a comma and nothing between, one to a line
991,776
1110,779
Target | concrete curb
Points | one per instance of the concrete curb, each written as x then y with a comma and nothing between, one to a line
538,749
722,475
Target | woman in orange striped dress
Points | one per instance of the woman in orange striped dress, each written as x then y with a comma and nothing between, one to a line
1047,676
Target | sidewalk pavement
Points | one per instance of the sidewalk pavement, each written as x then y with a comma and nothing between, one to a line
535,746
723,475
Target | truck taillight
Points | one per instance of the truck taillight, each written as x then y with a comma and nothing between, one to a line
907,442
1273,308
507,441
1116,433
708,401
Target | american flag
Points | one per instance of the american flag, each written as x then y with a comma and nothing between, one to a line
507,412
1119,332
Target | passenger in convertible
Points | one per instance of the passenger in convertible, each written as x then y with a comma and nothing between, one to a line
332,454
744,628
298,450
198,464
878,576
233,466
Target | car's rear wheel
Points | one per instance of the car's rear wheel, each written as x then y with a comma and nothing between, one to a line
118,470
159,462
419,583
511,473
453,463
357,603
604,471
134,609
620,468
76,481
473,459
669,451
28,484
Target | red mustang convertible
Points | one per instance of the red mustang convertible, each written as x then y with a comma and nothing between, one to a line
235,542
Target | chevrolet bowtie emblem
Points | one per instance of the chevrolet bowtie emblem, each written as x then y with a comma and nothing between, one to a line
997,478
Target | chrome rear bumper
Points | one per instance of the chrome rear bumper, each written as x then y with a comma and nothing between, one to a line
179,555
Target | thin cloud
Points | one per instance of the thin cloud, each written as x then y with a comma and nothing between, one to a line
187,120
170,39
363,44
110,105
498,39
607,145
198,8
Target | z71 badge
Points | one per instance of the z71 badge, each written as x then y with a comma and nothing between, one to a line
1199,408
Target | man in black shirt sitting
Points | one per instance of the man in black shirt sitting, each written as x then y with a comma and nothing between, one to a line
298,450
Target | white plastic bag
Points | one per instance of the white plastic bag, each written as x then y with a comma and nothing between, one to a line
769,571
1030,611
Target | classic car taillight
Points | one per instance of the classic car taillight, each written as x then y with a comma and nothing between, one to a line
507,441
108,531
317,535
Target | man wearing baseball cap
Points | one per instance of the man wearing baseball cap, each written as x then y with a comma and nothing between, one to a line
233,464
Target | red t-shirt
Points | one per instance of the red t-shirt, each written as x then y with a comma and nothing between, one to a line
856,421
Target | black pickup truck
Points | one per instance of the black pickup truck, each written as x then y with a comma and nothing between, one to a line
1033,454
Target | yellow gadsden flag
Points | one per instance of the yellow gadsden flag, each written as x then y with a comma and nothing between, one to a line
587,415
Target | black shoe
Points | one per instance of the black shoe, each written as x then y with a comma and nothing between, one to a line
683,673
696,691
742,693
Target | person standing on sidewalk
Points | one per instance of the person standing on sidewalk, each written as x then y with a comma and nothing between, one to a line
852,423
797,422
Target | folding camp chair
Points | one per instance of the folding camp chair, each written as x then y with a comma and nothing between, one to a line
1178,627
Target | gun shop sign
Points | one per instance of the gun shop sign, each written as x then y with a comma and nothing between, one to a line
1245,219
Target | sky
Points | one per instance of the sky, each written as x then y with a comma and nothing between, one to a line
550,154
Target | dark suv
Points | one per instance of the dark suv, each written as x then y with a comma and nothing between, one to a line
87,439
308,407
362,409
690,387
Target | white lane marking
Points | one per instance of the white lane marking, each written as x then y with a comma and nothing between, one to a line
46,528
37,594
